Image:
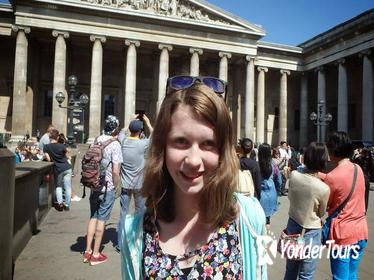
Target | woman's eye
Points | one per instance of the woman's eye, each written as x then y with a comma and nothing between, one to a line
181,141
210,144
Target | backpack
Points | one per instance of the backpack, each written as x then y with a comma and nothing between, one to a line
245,183
91,176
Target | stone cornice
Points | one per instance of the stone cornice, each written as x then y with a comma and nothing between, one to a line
56,33
93,38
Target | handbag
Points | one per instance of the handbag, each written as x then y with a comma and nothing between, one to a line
291,246
327,225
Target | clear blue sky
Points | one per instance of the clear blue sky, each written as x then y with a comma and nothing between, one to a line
292,22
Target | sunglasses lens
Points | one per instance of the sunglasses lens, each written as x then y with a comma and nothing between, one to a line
215,84
181,82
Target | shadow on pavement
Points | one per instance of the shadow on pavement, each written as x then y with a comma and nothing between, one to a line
110,235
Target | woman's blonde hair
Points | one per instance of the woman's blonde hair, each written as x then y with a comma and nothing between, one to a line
217,203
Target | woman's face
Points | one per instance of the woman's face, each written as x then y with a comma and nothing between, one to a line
191,151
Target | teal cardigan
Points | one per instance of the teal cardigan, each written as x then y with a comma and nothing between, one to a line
252,224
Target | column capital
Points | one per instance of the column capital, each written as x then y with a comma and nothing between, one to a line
223,54
196,50
320,69
366,52
56,33
340,61
262,69
132,42
93,38
16,28
164,46
285,72
250,57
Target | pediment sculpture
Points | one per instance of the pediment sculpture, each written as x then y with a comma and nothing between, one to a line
182,9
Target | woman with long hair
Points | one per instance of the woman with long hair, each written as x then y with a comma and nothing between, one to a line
271,181
193,219
308,197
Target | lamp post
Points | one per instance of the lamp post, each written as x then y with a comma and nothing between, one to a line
75,105
321,119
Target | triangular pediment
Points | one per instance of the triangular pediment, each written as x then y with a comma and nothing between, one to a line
189,11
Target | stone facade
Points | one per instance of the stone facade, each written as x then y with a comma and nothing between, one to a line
123,52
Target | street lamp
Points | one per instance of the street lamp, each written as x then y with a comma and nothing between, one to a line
75,107
321,119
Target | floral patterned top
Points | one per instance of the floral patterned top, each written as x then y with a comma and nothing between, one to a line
219,258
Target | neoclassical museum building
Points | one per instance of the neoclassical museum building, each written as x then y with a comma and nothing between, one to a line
123,51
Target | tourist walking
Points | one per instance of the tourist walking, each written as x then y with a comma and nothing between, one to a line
308,197
192,222
350,227
102,201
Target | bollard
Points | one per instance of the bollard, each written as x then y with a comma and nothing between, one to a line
7,168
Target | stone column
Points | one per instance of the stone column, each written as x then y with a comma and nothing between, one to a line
322,96
304,111
59,115
19,86
342,96
96,87
194,68
260,122
163,74
224,65
283,106
367,96
130,88
249,108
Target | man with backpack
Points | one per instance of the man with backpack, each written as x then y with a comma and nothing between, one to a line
133,151
104,182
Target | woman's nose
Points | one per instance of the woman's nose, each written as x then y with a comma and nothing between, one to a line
193,157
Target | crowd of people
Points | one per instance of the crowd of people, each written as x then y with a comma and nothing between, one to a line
190,219
318,181
52,147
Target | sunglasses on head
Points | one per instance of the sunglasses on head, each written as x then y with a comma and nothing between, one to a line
184,82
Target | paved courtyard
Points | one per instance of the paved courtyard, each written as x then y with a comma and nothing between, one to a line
55,252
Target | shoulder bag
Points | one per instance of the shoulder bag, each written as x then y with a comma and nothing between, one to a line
327,225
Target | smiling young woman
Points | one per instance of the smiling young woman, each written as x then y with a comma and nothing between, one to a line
191,206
